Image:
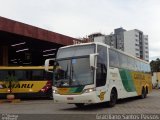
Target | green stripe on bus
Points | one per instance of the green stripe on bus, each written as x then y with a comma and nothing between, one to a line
127,80
76,89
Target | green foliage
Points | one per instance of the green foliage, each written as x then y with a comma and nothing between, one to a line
155,65
10,79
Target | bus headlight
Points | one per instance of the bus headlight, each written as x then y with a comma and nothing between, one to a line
88,90
55,91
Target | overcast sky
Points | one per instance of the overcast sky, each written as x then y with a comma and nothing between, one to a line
79,18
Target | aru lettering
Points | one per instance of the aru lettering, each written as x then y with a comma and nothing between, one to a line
23,86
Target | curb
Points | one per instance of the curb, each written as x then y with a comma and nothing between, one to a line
10,101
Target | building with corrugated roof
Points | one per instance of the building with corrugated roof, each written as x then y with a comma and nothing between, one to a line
23,44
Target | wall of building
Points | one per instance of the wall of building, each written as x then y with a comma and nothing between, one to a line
111,40
99,39
4,55
119,34
156,79
129,43
136,43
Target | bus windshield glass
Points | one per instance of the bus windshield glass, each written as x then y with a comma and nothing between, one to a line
73,66
73,72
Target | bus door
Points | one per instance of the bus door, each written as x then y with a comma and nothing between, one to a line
101,72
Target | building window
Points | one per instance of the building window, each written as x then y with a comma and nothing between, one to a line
136,44
136,35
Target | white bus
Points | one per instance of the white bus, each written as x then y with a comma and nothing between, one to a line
94,73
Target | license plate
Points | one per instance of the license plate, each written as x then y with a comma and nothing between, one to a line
70,98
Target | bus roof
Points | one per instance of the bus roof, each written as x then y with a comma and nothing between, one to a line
23,67
84,44
100,43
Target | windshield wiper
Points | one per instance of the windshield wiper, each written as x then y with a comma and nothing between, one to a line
71,75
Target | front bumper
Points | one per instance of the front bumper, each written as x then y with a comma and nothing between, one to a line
80,98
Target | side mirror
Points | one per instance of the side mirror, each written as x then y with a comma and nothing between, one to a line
92,60
47,64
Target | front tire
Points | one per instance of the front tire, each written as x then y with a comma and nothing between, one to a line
113,98
144,94
146,91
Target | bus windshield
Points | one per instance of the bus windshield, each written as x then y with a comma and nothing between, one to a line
73,72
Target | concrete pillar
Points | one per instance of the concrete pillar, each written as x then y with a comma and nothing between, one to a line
4,55
0,55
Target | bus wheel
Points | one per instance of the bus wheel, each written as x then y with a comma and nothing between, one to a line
143,95
113,98
146,91
79,105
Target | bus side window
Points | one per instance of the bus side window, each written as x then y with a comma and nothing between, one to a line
123,60
37,75
131,63
113,58
3,74
148,68
28,75
138,65
20,74
101,66
143,67
48,75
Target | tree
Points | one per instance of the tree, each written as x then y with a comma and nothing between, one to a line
9,82
155,65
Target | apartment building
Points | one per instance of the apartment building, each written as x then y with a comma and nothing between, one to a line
133,42
136,44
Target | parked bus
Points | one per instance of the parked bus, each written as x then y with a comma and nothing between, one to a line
95,73
32,81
